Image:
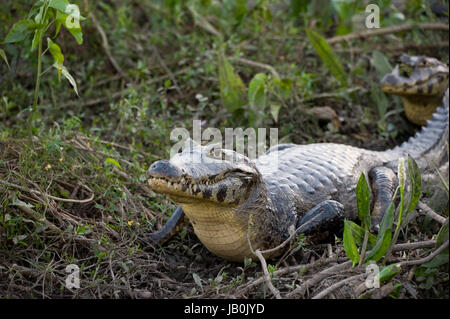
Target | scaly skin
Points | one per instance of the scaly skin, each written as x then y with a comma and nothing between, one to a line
233,202
422,91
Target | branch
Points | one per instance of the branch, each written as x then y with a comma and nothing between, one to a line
388,30
425,259
429,212
325,292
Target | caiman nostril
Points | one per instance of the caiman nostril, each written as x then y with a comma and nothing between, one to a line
163,169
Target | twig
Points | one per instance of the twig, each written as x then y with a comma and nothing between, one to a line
388,30
416,245
319,277
398,48
105,45
168,71
429,212
67,200
279,272
259,65
425,259
274,290
326,291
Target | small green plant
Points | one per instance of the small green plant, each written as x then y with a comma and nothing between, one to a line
328,57
43,15
381,245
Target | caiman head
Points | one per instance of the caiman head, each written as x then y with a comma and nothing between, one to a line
421,82
218,190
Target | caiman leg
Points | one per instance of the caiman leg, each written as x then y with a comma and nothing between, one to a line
325,216
383,181
175,223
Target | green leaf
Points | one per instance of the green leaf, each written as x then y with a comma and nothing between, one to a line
274,110
59,5
257,91
380,63
55,50
415,181
388,272
20,30
442,235
363,201
3,55
441,259
285,87
67,75
71,21
384,234
327,56
358,235
113,161
349,244
232,90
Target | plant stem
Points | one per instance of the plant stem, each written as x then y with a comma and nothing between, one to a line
38,80
397,228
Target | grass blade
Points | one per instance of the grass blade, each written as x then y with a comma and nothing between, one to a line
327,56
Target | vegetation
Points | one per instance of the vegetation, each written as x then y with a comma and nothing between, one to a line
73,154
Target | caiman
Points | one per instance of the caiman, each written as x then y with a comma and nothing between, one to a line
237,205
422,90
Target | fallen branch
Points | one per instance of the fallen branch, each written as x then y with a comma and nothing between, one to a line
274,290
319,277
397,48
425,259
67,200
259,65
325,292
388,30
105,45
429,212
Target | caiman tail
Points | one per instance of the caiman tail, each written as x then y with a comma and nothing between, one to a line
429,146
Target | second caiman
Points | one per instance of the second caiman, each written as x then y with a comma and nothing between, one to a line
236,205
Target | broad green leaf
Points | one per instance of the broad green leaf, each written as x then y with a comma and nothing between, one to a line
113,161
35,8
384,234
3,55
415,181
442,235
285,87
257,91
232,90
274,110
381,247
327,56
55,50
358,235
20,30
380,63
441,259
67,75
59,5
363,201
70,22
388,272
349,243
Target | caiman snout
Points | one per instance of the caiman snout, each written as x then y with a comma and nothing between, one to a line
164,169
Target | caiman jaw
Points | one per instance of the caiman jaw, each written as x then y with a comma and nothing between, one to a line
230,188
422,89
